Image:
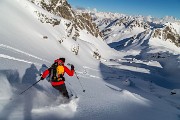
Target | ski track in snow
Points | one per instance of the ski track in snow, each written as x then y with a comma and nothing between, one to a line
85,73
86,67
22,52
88,76
16,59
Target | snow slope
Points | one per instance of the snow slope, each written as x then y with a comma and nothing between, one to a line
117,87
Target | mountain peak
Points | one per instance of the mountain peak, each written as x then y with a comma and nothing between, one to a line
76,23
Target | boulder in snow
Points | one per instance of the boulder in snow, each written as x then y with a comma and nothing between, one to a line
175,91
127,82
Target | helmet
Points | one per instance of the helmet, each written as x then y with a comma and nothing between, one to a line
60,61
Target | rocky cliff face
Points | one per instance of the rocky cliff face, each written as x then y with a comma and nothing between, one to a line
167,33
61,8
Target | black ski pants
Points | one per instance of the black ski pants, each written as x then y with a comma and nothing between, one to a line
62,89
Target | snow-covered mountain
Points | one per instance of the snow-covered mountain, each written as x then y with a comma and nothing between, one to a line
76,23
133,81
115,27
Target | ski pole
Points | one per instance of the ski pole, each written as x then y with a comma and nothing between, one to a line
79,81
77,78
29,87
72,90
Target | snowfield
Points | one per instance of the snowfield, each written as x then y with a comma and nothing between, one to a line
133,81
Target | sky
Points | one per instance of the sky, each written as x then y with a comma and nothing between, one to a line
155,8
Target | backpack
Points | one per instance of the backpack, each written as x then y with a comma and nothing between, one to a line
56,72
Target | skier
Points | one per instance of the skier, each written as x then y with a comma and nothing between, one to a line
56,75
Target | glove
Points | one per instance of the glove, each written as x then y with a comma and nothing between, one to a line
42,78
72,67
